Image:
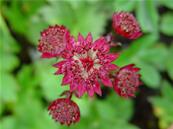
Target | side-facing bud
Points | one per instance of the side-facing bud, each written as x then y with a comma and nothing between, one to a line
127,81
126,25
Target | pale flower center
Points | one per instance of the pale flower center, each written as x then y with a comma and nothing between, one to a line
87,62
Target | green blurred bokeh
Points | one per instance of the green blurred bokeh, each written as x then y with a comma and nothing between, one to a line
27,82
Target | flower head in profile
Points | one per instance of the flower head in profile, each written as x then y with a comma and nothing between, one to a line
53,41
127,81
65,111
125,24
86,64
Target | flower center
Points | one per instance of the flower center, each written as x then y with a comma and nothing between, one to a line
87,63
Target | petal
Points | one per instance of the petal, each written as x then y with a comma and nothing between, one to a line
129,67
66,37
59,71
47,55
136,69
59,64
66,79
89,38
81,90
90,90
110,67
106,81
106,48
73,87
135,35
97,88
99,43
80,38
71,43
111,57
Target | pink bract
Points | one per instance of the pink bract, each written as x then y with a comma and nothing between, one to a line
126,25
86,64
64,111
127,81
53,41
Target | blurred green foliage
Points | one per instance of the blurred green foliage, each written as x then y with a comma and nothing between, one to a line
161,107
25,88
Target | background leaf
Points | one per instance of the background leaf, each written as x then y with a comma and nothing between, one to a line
147,15
166,24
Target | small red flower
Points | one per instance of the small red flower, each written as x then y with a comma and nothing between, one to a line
87,63
127,81
64,111
126,25
53,41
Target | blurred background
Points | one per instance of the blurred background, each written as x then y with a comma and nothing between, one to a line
27,83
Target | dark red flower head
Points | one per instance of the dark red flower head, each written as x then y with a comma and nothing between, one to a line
87,64
64,111
126,25
53,41
127,81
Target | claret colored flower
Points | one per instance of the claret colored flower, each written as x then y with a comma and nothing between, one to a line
127,81
126,25
86,64
53,41
65,111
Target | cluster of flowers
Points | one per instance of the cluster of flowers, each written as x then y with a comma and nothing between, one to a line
86,64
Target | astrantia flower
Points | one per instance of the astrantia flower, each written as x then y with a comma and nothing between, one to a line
127,81
53,41
86,64
126,25
64,111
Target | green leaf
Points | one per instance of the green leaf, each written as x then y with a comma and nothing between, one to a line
20,12
167,90
30,114
50,83
166,24
113,110
169,62
7,43
147,15
84,110
124,5
166,3
33,33
15,16
9,62
1,109
8,122
110,110
132,53
9,88
24,77
156,55
162,105
163,111
89,19
150,75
